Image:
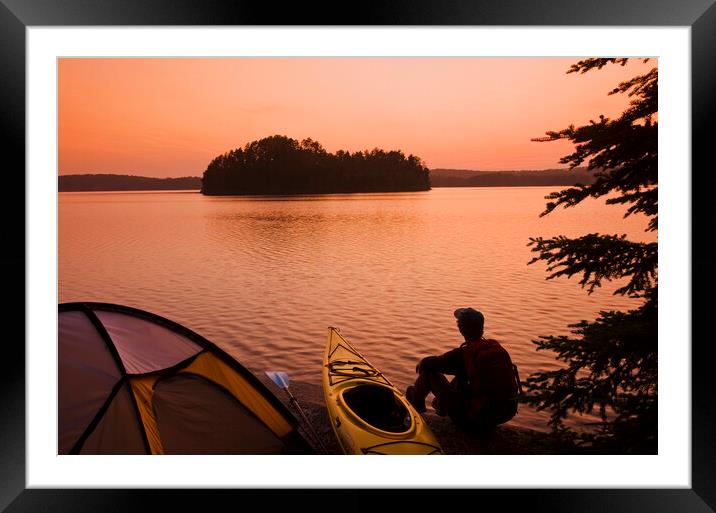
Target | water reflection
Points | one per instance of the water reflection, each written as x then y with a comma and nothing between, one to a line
265,276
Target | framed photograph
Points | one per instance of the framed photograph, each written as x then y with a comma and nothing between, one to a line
369,112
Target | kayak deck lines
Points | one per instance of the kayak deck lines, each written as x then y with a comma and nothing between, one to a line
350,371
372,450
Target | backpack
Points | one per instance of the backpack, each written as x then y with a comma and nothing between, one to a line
493,380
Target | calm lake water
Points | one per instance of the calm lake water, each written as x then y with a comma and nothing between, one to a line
264,277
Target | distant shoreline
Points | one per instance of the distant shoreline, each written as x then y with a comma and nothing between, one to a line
439,178
520,178
114,183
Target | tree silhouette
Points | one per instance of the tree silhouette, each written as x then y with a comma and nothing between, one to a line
281,165
611,362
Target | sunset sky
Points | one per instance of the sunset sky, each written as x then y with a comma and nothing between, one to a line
170,117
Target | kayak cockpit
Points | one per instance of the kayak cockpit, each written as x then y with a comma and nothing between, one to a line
379,407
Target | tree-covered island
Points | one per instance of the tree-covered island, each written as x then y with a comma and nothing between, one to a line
281,165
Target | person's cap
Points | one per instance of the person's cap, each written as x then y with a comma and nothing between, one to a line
469,317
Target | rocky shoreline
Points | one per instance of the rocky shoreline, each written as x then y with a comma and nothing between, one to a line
504,439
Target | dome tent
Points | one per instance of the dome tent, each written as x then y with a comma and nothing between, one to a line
132,382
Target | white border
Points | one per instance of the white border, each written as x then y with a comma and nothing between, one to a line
671,468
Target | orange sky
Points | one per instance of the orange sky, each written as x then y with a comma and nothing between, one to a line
170,117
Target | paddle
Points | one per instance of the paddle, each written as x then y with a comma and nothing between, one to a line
281,381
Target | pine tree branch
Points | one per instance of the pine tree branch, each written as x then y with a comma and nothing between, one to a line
623,153
599,257
611,369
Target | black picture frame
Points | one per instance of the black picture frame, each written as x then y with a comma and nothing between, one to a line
17,15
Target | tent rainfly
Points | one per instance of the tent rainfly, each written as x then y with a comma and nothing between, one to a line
131,382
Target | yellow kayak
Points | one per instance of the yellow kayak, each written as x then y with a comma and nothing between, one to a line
368,413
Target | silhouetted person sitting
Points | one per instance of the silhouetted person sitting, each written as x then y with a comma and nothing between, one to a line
483,392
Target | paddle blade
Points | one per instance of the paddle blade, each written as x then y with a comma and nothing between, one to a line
280,378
